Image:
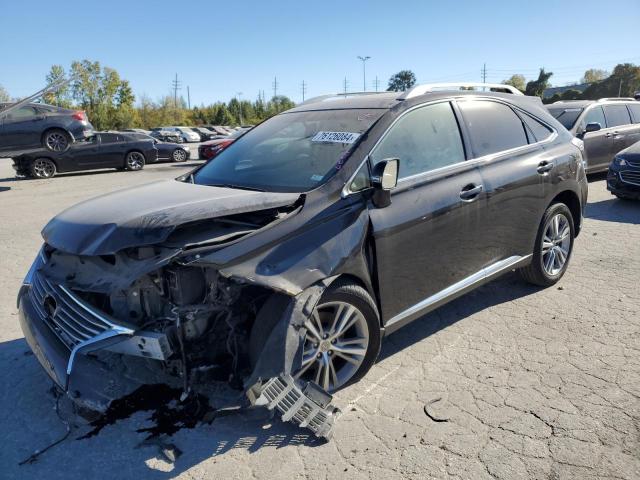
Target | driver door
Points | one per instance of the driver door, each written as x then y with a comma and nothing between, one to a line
426,240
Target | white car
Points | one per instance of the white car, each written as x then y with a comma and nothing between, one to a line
186,133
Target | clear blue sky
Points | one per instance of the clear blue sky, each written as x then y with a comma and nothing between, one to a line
220,48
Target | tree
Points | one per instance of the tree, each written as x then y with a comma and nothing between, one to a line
623,81
571,94
62,96
537,87
4,95
401,81
517,81
594,75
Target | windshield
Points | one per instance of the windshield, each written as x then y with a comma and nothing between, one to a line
566,116
291,152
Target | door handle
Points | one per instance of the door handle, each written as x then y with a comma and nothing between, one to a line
544,167
470,192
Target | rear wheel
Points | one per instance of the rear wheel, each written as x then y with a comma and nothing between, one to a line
43,168
134,161
342,340
179,155
553,247
56,140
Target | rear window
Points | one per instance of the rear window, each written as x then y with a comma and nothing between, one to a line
493,127
566,116
539,131
617,115
635,112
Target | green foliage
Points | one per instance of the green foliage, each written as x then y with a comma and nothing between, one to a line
517,81
4,95
594,75
401,81
537,87
62,96
624,80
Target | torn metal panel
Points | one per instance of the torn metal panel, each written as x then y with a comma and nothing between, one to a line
108,224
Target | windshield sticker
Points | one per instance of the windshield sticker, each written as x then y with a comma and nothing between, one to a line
335,137
316,177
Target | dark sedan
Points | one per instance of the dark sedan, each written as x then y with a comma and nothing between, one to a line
102,150
35,125
167,151
623,179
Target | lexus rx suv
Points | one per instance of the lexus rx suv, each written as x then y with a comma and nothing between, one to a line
303,244
606,126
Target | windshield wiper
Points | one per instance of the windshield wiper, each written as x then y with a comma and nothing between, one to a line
238,187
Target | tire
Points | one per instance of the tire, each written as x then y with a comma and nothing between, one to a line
179,155
363,335
42,168
547,268
134,161
56,140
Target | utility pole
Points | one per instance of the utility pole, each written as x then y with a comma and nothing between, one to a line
484,73
346,85
238,99
275,86
175,84
364,71
188,98
304,89
620,89
376,83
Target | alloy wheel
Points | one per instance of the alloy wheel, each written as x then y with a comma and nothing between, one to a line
56,141
43,168
335,346
135,161
179,155
556,244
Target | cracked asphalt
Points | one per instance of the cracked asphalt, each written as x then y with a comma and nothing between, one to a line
507,382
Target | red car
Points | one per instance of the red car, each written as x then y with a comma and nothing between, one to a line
210,149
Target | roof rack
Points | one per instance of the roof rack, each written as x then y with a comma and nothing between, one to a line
336,96
617,99
435,87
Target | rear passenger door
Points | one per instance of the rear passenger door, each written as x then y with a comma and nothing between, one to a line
515,171
22,127
426,240
624,133
112,150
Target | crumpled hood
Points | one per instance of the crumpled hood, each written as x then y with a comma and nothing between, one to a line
148,214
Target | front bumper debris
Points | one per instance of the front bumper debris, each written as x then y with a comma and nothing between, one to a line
307,406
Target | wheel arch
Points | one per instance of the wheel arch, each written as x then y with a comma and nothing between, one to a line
571,200
57,127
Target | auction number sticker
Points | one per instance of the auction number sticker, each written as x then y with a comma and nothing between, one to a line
335,137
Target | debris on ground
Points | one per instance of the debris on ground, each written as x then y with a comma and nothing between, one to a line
432,413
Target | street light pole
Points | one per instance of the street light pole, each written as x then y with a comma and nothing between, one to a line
364,72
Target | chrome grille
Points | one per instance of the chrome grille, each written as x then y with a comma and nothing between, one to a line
630,177
633,164
73,320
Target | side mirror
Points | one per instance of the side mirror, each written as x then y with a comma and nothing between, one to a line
384,177
592,127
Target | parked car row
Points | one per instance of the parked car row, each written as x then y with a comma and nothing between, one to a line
120,150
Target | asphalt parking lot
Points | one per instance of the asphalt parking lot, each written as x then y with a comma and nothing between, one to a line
507,382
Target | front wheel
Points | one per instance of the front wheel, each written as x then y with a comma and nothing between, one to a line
43,168
342,340
179,155
553,247
134,161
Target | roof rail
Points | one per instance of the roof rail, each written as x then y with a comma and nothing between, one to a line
335,96
617,99
434,87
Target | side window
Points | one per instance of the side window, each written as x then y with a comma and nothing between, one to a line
493,127
635,112
617,115
361,179
22,113
424,139
540,131
108,138
594,115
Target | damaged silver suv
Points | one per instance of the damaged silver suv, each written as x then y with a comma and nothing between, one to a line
280,266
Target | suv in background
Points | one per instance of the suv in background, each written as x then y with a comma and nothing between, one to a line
606,126
306,241
37,125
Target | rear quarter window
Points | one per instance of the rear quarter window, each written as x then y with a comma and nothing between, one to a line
617,115
635,112
493,127
537,129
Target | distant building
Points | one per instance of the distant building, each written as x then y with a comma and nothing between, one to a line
550,92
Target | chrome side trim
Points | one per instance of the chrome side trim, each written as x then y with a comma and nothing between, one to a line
457,287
